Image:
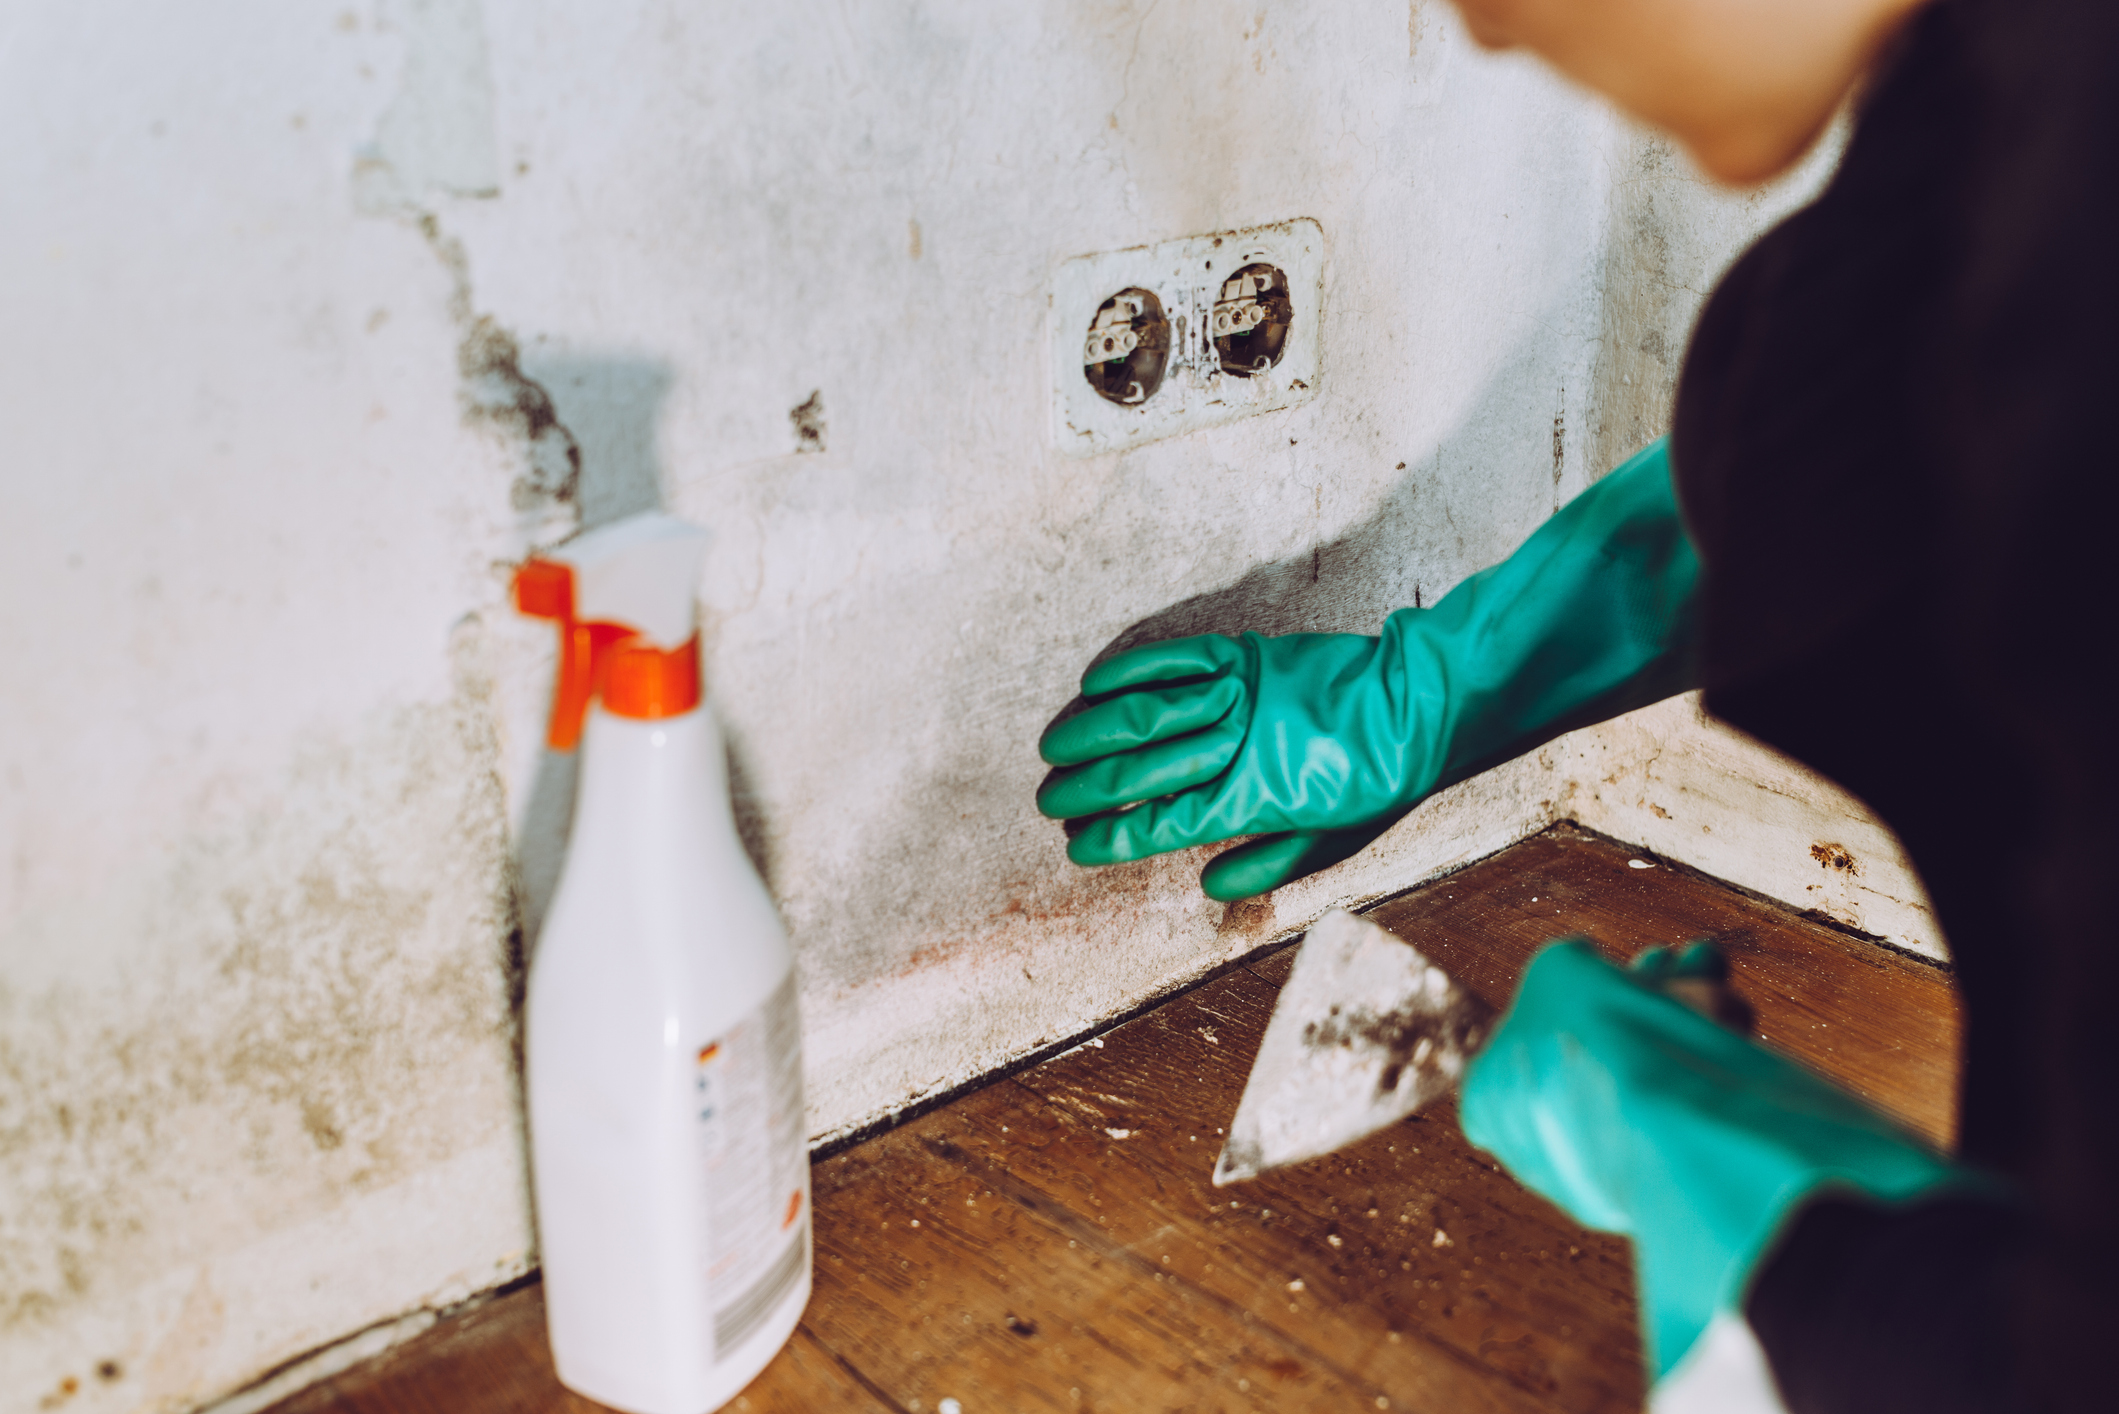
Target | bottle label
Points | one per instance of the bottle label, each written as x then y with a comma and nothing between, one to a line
747,1094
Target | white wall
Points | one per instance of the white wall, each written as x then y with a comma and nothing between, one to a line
311,312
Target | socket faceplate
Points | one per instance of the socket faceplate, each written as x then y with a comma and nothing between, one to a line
1205,288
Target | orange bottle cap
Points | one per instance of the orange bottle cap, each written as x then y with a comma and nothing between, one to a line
646,684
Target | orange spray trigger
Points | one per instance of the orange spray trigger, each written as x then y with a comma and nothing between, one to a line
634,678
544,589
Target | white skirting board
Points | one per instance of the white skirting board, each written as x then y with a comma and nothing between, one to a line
1675,782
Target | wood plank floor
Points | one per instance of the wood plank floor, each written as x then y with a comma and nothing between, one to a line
1053,1241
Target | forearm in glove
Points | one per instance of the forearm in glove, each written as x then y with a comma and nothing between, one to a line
1321,741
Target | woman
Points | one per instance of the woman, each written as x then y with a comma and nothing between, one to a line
1876,540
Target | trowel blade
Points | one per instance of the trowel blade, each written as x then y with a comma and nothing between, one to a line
1366,1031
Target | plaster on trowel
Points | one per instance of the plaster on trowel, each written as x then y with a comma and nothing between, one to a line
1366,1032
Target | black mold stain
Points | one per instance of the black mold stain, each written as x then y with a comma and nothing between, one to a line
748,807
496,391
1347,583
1559,439
808,418
330,999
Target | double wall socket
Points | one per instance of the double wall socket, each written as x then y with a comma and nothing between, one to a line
1161,340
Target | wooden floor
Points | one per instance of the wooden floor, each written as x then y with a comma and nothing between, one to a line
1053,1242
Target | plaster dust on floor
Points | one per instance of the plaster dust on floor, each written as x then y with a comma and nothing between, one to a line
329,315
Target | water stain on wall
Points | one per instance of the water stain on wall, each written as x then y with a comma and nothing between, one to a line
319,1006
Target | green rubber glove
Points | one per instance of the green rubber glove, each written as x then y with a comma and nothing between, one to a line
1638,1115
1322,741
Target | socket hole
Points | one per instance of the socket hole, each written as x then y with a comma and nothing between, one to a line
1128,349
1251,318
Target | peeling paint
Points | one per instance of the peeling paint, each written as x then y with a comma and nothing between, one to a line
436,137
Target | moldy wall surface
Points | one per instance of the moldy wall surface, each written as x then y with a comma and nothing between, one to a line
321,316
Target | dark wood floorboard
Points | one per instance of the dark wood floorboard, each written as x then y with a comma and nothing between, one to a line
1879,1022
1053,1241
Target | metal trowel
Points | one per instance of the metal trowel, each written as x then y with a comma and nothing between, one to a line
1366,1032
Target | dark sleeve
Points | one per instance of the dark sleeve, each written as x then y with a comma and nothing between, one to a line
1895,445
1863,1309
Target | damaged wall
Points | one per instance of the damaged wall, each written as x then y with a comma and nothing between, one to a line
321,316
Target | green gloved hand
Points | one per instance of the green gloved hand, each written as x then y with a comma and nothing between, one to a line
1638,1115
1322,741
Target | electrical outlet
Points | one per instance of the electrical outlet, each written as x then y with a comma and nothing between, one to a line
1165,339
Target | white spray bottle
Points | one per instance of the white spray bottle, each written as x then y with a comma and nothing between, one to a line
663,1052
